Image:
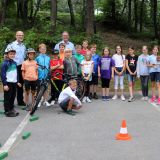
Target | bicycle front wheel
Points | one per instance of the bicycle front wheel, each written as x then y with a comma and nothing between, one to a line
37,99
80,89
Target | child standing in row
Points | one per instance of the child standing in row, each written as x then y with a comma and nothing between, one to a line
106,72
154,70
10,80
56,67
61,51
30,75
43,60
131,65
94,82
119,70
84,47
87,69
143,71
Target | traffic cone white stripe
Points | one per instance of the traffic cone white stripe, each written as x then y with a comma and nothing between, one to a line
123,130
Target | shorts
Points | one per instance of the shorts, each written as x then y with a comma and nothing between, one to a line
94,80
131,78
105,82
30,85
155,76
65,102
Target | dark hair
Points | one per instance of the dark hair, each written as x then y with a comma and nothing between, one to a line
62,44
108,51
120,47
131,47
155,46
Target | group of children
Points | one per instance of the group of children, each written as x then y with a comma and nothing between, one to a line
86,63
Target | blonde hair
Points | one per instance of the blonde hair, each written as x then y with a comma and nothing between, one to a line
68,49
78,46
72,82
42,45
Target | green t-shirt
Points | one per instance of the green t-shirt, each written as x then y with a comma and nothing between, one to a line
80,58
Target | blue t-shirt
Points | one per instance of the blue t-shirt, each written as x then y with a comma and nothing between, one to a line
43,60
153,60
95,59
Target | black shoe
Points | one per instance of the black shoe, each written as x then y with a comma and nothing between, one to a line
21,104
95,96
90,96
14,111
11,114
70,112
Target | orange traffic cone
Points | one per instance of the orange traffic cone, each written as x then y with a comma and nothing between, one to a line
123,135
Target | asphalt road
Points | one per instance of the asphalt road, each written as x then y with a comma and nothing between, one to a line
90,135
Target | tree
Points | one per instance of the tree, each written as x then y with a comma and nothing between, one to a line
71,13
89,17
53,14
141,15
3,11
155,17
135,15
129,14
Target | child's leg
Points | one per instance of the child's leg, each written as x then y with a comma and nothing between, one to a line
103,92
153,84
158,86
142,85
13,95
26,96
107,87
70,104
116,83
121,84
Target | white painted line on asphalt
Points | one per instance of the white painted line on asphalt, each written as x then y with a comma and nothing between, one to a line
11,140
157,107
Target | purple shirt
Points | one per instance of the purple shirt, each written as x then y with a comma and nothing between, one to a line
106,63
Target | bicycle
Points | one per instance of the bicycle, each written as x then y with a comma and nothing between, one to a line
80,91
44,85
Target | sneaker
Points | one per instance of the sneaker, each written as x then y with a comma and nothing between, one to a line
21,104
146,98
123,98
143,98
131,99
103,98
95,96
107,98
114,97
11,114
47,104
158,101
84,99
52,103
28,108
153,99
70,112
40,103
88,100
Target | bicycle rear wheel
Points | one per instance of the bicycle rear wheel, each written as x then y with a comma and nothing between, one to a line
37,99
80,89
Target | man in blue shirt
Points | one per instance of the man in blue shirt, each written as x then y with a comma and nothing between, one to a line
20,49
68,44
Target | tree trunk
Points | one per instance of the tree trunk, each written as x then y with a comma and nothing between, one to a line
84,14
124,7
141,15
37,9
53,14
129,14
90,17
135,15
31,9
155,18
71,13
25,12
113,10
3,11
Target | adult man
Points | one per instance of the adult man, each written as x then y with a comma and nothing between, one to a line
20,49
65,40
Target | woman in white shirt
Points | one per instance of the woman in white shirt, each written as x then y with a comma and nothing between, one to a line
119,59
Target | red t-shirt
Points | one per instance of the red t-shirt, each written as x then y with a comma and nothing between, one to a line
83,52
53,63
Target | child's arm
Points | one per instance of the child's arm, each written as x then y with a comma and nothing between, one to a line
3,77
113,68
99,72
82,67
137,69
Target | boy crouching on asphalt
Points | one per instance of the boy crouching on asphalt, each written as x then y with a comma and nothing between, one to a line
30,76
10,80
68,100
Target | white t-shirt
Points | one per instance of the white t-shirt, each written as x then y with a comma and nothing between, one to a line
119,60
67,93
87,65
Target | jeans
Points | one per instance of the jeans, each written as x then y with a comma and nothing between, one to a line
144,83
119,79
